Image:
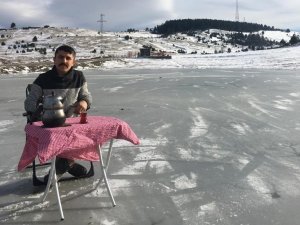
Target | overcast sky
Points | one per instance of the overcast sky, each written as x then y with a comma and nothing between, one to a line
139,14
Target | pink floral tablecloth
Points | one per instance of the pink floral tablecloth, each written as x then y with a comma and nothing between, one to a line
77,141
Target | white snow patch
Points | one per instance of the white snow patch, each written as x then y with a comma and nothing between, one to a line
187,154
114,89
284,104
118,143
260,187
181,201
160,166
4,124
212,152
200,127
107,222
184,182
163,127
242,128
259,108
136,168
3,182
37,195
151,144
37,217
208,208
243,161
118,186
25,206
295,94
144,142
70,193
12,100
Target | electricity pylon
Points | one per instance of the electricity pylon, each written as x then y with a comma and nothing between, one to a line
237,17
101,21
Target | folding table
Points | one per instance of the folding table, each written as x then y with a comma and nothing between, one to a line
74,141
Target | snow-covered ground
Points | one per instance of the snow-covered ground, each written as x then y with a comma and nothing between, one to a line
285,58
121,53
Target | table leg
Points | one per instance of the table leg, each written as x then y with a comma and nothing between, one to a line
58,198
50,179
109,152
53,179
104,168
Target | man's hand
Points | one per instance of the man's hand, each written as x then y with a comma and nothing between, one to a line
80,106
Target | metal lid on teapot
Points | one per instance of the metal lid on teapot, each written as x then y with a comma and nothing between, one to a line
52,102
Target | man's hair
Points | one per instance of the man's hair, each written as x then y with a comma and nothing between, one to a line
65,48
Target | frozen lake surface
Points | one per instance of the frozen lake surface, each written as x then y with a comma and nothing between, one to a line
218,146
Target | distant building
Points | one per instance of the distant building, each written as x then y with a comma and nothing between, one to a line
145,52
148,53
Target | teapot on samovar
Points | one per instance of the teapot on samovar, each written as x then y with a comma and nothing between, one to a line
53,111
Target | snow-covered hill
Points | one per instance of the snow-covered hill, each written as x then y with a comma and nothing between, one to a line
113,50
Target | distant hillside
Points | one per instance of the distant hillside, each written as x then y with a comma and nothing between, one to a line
186,25
31,49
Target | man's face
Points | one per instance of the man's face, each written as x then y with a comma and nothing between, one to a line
63,62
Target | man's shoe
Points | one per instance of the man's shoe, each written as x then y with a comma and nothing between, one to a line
77,170
62,165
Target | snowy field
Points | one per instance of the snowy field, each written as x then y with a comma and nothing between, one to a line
121,53
285,58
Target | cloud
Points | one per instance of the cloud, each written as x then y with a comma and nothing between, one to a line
23,12
121,15
118,14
